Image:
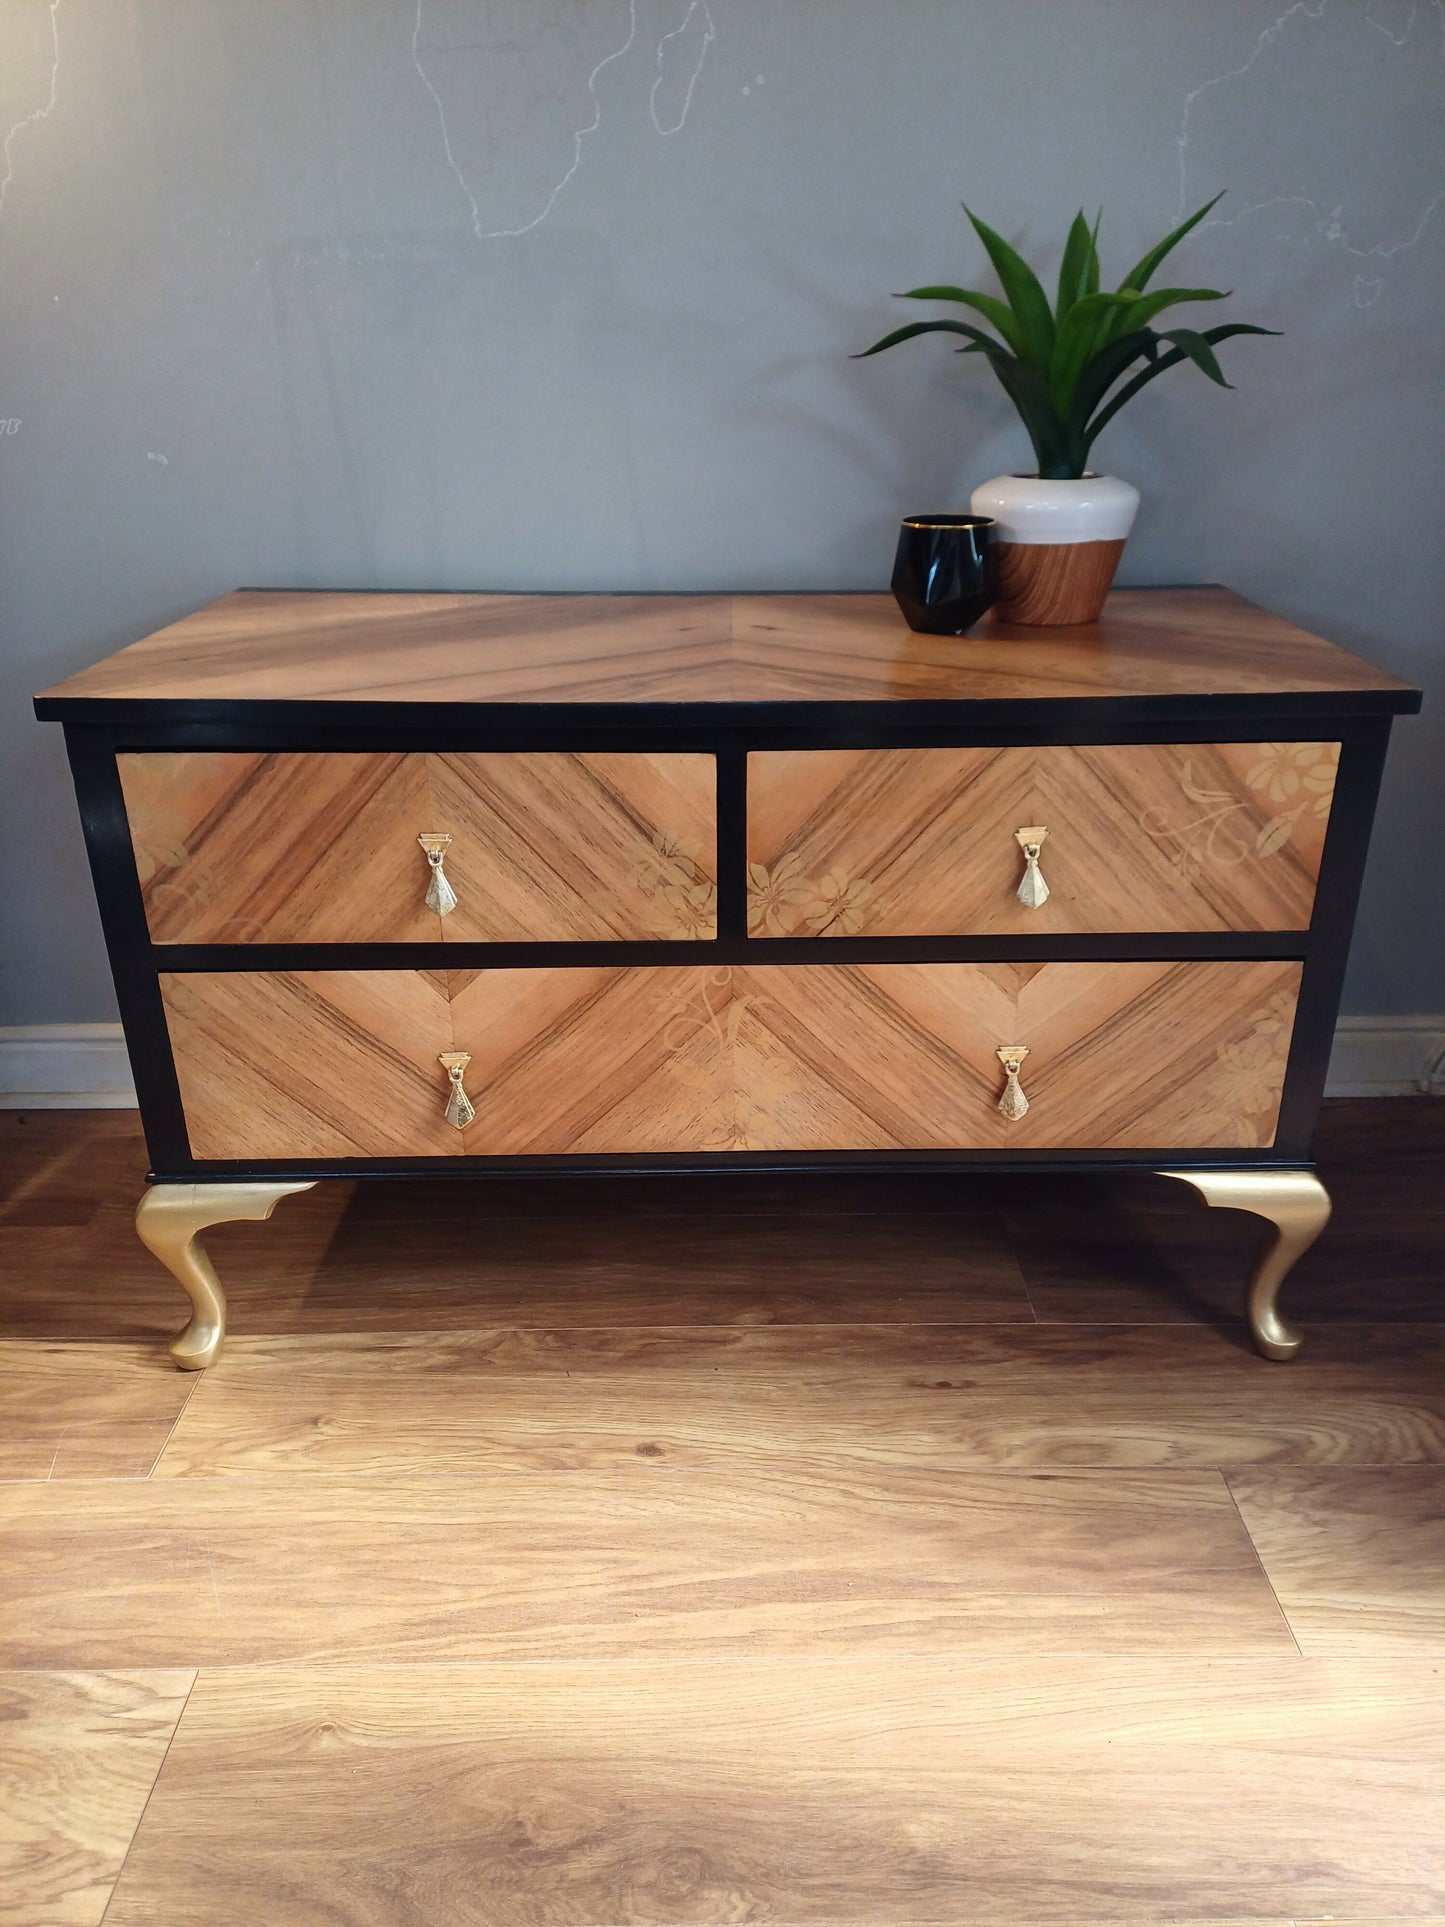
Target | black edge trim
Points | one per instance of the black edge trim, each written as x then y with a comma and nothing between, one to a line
1078,947
127,943
1337,894
1081,717
720,1164
732,849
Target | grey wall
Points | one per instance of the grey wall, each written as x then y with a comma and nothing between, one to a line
333,292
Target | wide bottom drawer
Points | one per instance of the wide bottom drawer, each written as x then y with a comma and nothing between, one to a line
795,1057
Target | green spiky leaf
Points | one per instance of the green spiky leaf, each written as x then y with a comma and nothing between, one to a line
1074,268
1142,272
1024,292
1091,278
1028,389
1104,369
1199,352
1074,343
988,305
1211,336
1147,306
985,342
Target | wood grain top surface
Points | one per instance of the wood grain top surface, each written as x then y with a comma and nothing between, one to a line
304,646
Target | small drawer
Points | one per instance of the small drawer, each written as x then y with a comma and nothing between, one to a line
807,1057
323,846
1138,837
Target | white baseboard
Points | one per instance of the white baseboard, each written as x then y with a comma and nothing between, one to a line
1387,1057
81,1067
65,1067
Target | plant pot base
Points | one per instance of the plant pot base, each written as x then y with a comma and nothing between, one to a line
1044,583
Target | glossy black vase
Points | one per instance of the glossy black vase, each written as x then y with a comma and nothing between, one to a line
943,574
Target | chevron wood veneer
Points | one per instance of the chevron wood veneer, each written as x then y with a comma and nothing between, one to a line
370,651
301,846
825,1057
247,848
1121,1055
816,1057
311,1063
611,1060
1142,837
566,847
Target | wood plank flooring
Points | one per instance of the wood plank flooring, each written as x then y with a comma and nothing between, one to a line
252,1570
79,1758
826,1552
944,1789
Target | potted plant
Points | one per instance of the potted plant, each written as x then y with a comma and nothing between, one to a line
1068,369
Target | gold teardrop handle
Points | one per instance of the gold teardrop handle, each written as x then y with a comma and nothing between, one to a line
1013,1103
440,896
460,1111
1033,891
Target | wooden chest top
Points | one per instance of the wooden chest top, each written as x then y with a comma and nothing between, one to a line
301,652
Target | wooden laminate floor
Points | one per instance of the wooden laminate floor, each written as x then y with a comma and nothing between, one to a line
573,1554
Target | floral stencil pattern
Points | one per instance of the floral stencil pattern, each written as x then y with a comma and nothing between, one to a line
776,897
1298,778
1251,1071
839,904
782,902
1289,771
701,1027
680,898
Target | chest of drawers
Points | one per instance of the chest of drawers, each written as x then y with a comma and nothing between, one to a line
416,883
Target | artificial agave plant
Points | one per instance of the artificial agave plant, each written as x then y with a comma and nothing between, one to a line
1059,365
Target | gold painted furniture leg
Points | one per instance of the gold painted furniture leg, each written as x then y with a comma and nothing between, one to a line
169,1218
1297,1205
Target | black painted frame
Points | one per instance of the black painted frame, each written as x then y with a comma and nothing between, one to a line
99,730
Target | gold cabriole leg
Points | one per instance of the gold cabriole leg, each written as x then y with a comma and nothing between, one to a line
169,1218
1298,1207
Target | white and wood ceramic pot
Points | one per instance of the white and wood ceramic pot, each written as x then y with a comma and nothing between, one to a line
1057,543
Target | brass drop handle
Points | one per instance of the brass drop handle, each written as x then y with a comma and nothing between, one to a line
1033,891
460,1110
1013,1103
440,896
